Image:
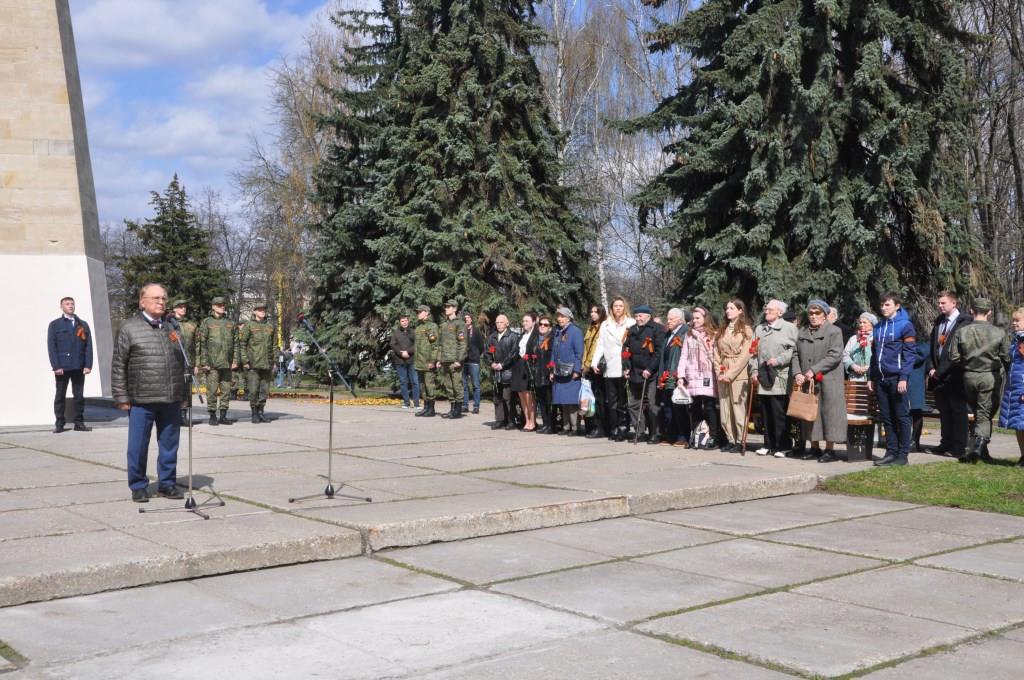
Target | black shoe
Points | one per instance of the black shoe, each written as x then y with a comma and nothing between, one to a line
224,419
887,459
653,440
82,427
259,414
213,418
428,411
596,434
890,461
620,435
456,412
571,433
983,452
544,430
1020,463
476,410
140,496
510,426
497,425
255,418
58,428
808,454
828,457
939,450
171,492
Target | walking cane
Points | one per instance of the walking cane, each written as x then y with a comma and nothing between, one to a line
643,400
746,422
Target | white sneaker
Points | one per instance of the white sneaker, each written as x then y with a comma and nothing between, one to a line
405,406
779,454
762,451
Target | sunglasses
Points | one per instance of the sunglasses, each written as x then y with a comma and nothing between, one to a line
543,323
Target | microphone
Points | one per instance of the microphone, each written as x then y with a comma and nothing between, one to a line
305,324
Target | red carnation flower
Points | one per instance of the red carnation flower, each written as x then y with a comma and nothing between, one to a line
626,354
753,345
722,368
819,376
863,343
551,364
492,349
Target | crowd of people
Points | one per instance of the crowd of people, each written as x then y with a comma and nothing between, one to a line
693,377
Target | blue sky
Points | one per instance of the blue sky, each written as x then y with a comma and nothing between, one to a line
178,86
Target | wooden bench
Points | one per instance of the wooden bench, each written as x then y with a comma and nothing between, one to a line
931,411
861,415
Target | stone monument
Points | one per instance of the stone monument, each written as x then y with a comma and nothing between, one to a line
50,243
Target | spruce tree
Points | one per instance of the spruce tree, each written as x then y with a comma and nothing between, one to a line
176,253
818,152
461,196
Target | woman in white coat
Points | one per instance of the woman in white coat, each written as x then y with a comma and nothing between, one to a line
607,362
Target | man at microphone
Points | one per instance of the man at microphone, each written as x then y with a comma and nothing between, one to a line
148,381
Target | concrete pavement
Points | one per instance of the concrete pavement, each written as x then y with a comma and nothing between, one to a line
675,594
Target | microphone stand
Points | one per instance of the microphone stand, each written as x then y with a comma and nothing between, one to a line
190,500
329,492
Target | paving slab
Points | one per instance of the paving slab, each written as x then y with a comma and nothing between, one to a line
765,564
824,506
43,522
736,518
432,485
985,526
961,599
65,495
494,558
46,470
1005,560
992,659
612,655
320,587
1015,634
625,536
808,635
867,537
624,591
45,632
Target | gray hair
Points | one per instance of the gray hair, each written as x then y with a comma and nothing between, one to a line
778,304
675,311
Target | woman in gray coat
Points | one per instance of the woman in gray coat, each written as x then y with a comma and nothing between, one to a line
819,360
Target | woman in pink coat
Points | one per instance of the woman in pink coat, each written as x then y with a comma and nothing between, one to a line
697,371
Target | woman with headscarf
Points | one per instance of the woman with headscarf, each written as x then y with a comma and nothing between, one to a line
857,354
818,361
566,367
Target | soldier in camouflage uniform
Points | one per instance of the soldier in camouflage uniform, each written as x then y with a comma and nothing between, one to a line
453,355
216,348
256,342
982,351
188,340
426,352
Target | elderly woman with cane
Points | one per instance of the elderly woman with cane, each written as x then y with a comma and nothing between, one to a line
818,362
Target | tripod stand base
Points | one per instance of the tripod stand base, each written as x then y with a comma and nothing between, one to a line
192,506
329,492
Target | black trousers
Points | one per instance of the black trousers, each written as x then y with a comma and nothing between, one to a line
77,380
675,418
504,413
547,417
776,428
644,419
615,402
952,404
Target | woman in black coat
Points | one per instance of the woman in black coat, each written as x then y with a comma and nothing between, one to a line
542,368
522,375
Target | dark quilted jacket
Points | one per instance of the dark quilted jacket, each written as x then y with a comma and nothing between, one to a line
147,366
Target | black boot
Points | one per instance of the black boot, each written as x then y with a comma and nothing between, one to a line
428,411
422,411
224,418
259,414
972,451
456,411
213,418
1020,463
255,416
451,410
982,451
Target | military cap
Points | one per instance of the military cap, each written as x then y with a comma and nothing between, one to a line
218,301
982,305
259,304
451,303
180,302
423,308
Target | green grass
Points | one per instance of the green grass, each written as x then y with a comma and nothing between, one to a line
990,488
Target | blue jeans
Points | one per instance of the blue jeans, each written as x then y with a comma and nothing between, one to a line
140,425
407,379
471,374
895,411
280,378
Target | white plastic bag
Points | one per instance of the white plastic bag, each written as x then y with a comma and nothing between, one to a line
587,406
680,395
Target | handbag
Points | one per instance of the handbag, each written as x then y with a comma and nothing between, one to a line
700,436
563,369
680,395
803,403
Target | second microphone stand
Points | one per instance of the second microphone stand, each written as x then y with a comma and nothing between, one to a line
329,492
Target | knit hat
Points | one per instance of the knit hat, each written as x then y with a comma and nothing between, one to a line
564,311
869,317
820,304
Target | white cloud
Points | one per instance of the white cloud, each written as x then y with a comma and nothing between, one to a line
136,33
235,85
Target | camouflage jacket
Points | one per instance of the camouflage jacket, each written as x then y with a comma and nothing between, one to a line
427,347
215,342
257,344
453,340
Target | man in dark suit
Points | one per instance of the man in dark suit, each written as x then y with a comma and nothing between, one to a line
69,341
947,379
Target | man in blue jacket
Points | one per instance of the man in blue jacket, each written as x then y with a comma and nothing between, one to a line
69,341
892,362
